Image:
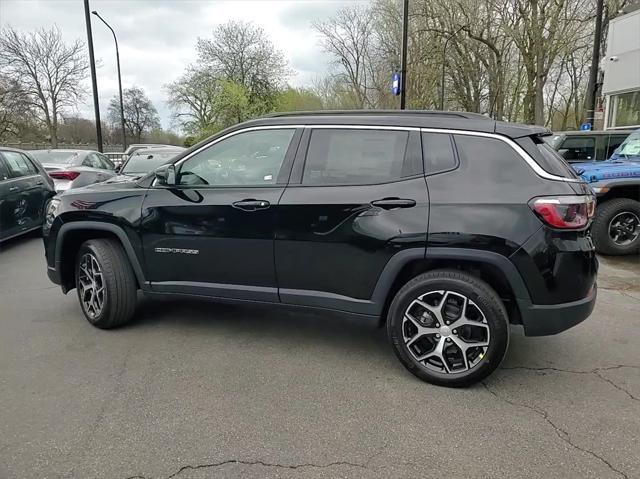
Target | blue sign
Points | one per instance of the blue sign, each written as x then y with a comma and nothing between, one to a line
395,84
585,127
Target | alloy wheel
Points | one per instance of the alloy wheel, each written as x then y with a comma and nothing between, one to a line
624,228
446,332
91,285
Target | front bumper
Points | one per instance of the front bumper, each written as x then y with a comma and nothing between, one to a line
548,319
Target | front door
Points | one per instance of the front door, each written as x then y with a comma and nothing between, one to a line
212,234
24,194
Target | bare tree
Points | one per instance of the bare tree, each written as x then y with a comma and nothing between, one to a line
140,115
347,36
49,70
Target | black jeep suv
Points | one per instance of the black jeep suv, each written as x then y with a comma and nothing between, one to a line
445,226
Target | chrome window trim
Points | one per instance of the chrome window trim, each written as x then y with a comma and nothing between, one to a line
538,170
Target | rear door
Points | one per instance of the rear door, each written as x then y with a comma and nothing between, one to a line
357,196
212,234
25,192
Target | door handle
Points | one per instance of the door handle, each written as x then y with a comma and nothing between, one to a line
251,204
40,183
14,188
393,203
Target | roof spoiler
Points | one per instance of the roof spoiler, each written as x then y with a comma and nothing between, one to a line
518,130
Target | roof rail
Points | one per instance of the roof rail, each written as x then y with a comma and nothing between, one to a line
435,113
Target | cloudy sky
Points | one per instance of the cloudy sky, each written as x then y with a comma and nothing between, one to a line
157,37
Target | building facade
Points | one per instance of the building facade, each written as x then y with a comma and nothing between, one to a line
621,87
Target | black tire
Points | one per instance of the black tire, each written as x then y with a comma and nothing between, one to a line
605,213
485,299
117,278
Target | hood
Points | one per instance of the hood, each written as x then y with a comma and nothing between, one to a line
117,183
607,170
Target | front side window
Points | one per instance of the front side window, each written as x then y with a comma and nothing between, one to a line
18,164
348,157
578,148
251,158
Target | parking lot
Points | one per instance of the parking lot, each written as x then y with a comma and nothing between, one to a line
195,390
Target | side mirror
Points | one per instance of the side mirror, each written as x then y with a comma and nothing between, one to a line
117,168
166,175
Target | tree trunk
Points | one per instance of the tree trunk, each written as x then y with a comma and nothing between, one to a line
539,99
53,127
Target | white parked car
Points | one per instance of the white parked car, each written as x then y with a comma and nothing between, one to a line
74,168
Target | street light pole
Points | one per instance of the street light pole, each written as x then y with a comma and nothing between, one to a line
94,83
444,55
593,74
124,135
403,68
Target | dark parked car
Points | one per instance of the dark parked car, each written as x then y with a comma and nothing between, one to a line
146,160
445,226
75,168
131,149
24,189
587,145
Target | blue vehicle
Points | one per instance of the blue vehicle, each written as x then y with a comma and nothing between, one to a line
616,183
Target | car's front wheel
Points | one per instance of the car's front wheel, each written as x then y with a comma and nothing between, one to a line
106,285
448,328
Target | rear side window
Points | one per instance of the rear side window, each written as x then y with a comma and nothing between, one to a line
438,153
348,157
18,164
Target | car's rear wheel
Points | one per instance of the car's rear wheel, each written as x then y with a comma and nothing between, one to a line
448,328
106,284
616,227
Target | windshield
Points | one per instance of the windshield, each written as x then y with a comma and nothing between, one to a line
53,157
554,141
630,148
142,163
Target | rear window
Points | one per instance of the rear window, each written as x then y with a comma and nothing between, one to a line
55,157
548,158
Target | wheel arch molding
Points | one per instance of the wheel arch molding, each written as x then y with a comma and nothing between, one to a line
407,264
92,230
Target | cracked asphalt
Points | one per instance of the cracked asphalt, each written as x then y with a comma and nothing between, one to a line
198,390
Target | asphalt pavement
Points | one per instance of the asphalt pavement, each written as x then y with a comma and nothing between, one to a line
199,390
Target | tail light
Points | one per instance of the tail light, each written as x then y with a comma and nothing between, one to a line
64,175
564,212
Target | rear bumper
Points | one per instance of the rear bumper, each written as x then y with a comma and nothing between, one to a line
548,319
